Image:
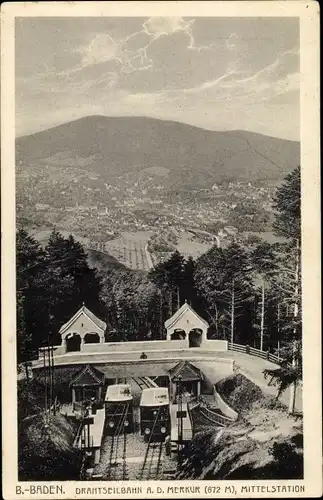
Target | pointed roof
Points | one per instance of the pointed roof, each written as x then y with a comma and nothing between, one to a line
88,376
187,371
181,311
84,310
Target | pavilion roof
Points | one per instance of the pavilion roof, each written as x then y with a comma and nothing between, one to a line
181,311
84,310
88,376
187,371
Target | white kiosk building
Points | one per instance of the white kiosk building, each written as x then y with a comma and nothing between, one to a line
187,325
83,328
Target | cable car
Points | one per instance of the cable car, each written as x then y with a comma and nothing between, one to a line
155,413
118,409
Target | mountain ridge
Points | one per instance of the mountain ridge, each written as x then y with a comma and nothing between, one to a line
115,146
144,117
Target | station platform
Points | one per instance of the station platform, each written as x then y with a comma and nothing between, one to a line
187,425
97,428
93,434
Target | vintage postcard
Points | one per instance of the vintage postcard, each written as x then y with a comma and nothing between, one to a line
161,250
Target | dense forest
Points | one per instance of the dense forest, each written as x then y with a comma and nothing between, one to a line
249,295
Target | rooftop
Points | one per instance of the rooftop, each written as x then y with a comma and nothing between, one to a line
181,311
155,396
118,392
84,310
186,371
89,375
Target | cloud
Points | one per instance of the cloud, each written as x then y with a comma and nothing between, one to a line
159,26
205,72
131,51
101,48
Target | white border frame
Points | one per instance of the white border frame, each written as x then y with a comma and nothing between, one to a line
308,13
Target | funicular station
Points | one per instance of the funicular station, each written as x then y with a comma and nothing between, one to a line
140,394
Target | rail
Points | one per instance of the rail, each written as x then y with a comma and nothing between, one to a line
208,413
145,382
114,451
78,434
151,382
150,454
246,349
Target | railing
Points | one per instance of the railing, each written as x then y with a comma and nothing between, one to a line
246,349
214,417
224,407
209,414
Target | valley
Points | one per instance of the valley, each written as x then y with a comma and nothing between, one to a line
139,188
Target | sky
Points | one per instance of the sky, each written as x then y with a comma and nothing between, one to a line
214,73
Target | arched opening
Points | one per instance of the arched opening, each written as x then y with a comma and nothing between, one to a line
178,334
195,337
91,338
73,342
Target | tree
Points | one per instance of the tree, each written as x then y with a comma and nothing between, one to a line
287,205
223,278
289,373
287,286
51,284
30,264
168,276
288,280
188,283
132,304
263,263
69,279
24,338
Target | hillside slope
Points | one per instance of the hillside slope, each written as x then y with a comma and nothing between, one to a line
264,443
180,154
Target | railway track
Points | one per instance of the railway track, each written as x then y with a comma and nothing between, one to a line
151,467
143,383
152,461
117,468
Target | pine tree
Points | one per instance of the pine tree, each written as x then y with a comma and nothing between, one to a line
132,304
69,276
188,283
168,276
223,278
287,205
51,285
30,265
263,263
288,279
24,338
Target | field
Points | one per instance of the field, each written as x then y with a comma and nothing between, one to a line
130,250
189,245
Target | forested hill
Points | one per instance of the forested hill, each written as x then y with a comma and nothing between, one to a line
180,154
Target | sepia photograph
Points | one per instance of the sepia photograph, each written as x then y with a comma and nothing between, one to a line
158,252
